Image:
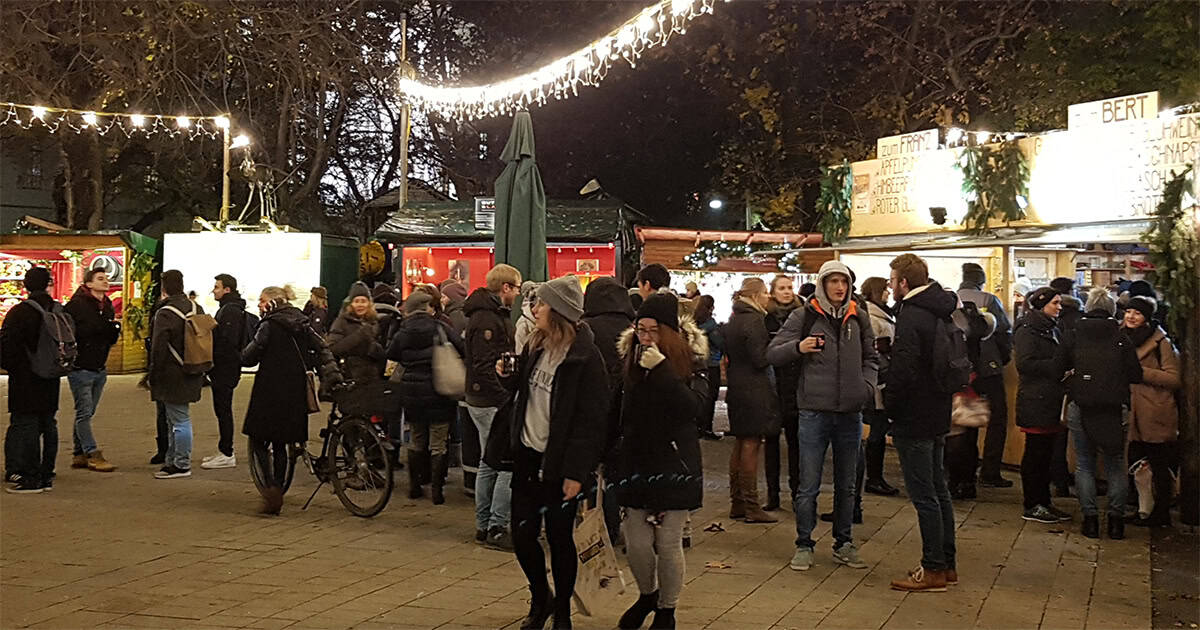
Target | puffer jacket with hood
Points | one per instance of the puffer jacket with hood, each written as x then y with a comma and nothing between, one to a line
489,333
413,349
996,351
917,408
842,377
355,343
1040,389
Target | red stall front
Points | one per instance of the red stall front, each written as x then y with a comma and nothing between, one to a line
469,263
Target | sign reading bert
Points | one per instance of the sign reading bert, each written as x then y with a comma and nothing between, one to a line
1112,110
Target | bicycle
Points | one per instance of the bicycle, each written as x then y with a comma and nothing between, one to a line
354,458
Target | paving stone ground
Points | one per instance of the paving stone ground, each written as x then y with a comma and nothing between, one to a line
125,550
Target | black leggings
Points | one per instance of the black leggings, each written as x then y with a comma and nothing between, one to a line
535,501
271,457
705,417
1035,468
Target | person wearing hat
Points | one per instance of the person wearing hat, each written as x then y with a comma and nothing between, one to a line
1154,416
317,310
454,296
31,443
660,465
1039,401
553,449
427,412
353,338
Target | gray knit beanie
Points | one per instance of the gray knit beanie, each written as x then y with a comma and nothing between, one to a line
564,296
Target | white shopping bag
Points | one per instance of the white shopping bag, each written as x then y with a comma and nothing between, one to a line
599,579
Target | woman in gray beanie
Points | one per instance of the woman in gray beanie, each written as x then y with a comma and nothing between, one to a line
552,448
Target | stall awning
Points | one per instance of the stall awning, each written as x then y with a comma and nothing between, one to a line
1106,232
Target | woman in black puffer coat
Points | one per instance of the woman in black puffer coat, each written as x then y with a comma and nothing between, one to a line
1039,401
427,412
787,378
661,475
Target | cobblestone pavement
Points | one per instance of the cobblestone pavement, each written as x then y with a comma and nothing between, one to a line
124,550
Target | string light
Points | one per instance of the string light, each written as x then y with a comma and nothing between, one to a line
559,79
956,137
242,140
53,119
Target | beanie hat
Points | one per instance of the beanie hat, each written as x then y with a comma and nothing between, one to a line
1144,305
37,279
382,289
1041,297
1064,286
564,296
358,289
973,273
454,290
1142,288
662,308
1099,299
417,301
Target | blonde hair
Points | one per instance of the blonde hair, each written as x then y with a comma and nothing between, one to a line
501,275
750,288
319,297
558,339
285,292
369,316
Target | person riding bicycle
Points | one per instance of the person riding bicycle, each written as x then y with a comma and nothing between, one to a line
284,346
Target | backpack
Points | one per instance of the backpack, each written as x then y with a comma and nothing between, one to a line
55,353
249,325
951,363
1098,378
197,341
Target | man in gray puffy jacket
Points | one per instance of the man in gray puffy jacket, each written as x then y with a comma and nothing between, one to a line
832,341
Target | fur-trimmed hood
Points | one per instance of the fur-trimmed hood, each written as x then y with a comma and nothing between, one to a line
695,338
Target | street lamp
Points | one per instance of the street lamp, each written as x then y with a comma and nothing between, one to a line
716,204
241,141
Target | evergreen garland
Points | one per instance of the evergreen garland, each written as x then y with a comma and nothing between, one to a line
995,185
709,253
833,205
1175,250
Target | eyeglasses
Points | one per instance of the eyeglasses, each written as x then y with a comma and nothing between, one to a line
646,331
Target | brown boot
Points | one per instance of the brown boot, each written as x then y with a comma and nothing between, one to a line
951,577
79,461
922,581
737,507
754,511
272,500
96,462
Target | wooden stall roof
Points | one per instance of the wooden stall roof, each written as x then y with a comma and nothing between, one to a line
798,239
80,240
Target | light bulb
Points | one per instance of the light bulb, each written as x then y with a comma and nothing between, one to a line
221,122
645,24
183,121
38,112
625,36
89,118
982,136
137,120
242,140
953,135
679,7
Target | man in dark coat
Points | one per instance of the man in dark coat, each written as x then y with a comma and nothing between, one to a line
995,352
169,384
489,334
31,442
95,333
1068,319
921,416
835,346
227,365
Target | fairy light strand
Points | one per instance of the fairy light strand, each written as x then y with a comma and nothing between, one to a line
54,119
559,79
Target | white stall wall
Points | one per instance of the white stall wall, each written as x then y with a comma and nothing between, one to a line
256,260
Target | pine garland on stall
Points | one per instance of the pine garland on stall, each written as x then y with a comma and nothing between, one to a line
833,205
1174,250
995,184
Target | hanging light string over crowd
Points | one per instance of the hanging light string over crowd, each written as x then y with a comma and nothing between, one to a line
588,66
55,118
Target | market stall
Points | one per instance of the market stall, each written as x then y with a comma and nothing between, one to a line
127,257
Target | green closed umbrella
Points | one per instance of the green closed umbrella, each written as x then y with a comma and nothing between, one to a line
521,205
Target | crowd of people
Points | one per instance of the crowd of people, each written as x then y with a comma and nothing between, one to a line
624,383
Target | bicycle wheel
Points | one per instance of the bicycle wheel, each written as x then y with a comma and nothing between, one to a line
261,475
360,468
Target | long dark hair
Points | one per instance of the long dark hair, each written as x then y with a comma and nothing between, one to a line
704,308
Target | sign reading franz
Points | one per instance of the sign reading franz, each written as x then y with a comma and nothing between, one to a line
887,188
1142,106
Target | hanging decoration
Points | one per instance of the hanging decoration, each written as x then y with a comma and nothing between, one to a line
559,79
995,184
1175,249
833,204
710,253
55,119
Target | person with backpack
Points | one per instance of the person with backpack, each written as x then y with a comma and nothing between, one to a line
994,354
177,367
1154,413
26,353
783,302
926,369
1100,363
233,333
661,473
386,302
284,347
95,333
832,341
1039,401
427,412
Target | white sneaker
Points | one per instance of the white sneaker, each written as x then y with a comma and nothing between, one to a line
218,461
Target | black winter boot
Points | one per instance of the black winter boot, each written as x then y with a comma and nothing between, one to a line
1116,528
637,613
438,470
1091,526
539,612
663,618
414,478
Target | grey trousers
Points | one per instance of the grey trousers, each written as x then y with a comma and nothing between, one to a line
656,553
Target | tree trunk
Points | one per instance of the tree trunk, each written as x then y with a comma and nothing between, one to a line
84,181
68,185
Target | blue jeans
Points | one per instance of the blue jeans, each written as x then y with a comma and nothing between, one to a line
179,436
815,432
1086,453
493,488
86,387
922,460
32,445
